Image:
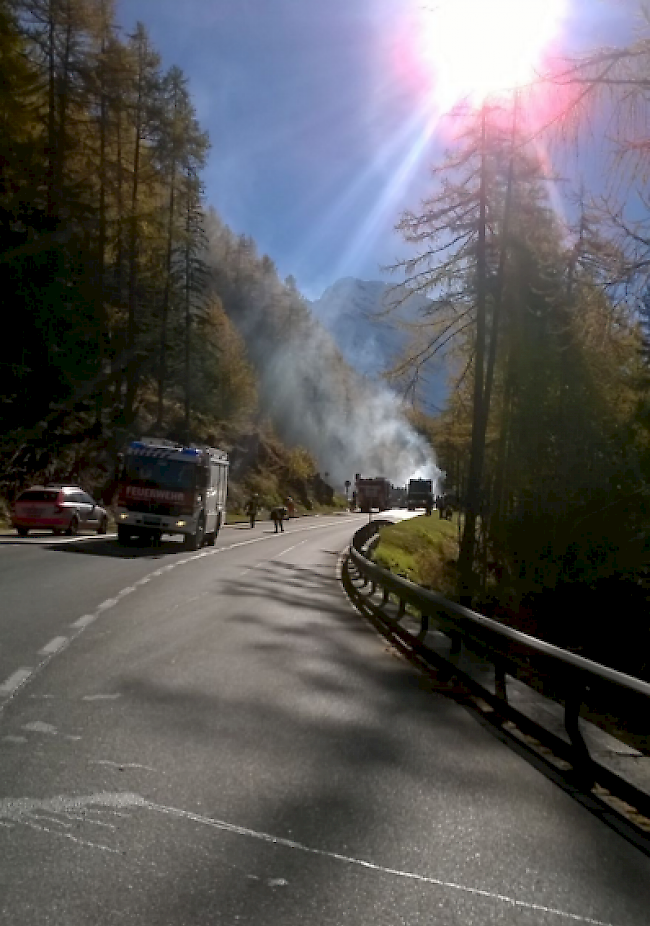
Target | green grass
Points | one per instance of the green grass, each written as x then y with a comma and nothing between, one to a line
420,549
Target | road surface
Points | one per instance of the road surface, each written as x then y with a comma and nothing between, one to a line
192,739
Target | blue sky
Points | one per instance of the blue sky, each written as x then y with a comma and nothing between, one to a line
317,130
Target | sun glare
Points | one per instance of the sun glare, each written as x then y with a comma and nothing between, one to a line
483,48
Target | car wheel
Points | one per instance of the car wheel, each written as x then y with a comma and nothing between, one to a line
57,531
73,527
123,534
103,526
22,531
195,541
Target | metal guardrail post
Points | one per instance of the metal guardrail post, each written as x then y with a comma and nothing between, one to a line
500,687
583,763
424,626
401,609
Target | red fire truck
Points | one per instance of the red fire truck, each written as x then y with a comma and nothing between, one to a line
166,488
372,492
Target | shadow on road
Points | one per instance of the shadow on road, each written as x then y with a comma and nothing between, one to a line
330,752
110,547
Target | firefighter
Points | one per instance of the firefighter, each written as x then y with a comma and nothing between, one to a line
278,515
252,506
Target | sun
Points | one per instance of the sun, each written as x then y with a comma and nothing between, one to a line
479,49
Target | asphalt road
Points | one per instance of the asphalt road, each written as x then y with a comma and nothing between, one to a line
193,739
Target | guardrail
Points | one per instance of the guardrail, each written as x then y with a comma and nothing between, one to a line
578,684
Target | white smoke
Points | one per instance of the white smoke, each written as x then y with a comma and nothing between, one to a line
359,426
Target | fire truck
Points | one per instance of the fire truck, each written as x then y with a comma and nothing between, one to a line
372,492
420,494
168,488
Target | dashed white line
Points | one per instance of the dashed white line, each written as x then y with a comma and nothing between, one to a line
9,687
82,622
15,681
289,549
53,646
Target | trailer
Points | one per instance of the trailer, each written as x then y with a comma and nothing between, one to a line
372,492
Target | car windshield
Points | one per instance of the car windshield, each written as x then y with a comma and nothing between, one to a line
152,472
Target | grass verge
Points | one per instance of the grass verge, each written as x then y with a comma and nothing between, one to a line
422,549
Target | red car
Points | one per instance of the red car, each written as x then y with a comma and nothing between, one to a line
58,508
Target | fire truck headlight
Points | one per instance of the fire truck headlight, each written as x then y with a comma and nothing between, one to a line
181,523
123,516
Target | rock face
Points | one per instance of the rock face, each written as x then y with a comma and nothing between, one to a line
349,311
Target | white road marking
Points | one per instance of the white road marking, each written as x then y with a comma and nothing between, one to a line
371,866
44,818
25,810
19,678
101,697
15,681
81,842
53,646
51,539
121,765
263,562
37,726
289,549
82,622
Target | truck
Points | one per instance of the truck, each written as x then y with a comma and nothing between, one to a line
419,494
170,488
372,492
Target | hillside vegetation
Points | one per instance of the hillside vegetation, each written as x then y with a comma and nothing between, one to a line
135,310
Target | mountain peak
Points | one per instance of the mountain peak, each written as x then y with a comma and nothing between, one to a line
349,310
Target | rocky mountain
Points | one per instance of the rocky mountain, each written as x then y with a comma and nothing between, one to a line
349,310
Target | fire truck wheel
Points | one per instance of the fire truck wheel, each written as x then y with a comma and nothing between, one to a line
211,539
195,541
123,534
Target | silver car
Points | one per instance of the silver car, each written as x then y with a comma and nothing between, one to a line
59,508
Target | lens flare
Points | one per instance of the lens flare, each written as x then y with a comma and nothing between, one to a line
476,49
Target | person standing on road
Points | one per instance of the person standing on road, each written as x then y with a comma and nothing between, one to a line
252,506
277,516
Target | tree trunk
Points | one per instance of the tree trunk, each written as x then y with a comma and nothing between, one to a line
477,451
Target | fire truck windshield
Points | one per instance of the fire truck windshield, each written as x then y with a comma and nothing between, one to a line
160,473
